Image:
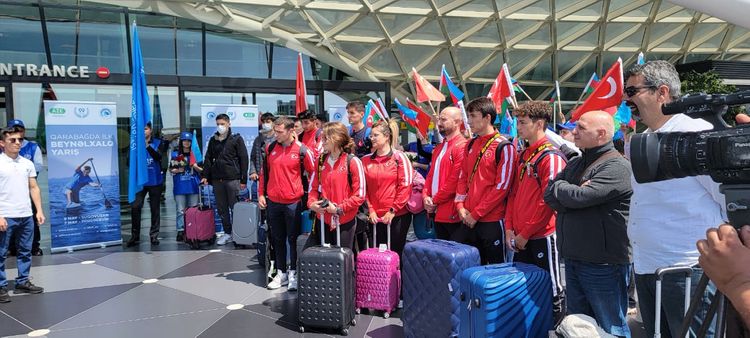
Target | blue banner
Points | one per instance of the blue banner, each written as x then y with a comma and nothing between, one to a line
84,191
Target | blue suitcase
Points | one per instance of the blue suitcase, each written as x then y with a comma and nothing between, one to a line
431,273
506,300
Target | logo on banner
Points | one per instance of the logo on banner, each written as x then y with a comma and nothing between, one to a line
210,115
82,112
105,113
102,72
57,111
337,116
232,115
249,115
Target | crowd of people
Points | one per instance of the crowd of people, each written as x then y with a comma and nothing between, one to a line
541,198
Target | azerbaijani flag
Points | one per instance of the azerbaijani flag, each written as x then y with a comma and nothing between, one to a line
195,150
447,87
381,110
516,86
591,85
370,114
409,116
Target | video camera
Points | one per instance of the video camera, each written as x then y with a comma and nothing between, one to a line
722,153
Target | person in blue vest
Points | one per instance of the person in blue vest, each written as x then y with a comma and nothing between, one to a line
80,179
185,177
31,151
153,188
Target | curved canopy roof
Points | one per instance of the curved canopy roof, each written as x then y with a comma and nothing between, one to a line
541,40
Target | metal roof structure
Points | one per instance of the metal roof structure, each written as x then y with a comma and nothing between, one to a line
541,40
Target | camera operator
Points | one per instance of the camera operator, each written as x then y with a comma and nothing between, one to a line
726,260
667,217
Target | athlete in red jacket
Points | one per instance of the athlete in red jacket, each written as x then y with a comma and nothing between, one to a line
389,174
339,178
440,184
311,134
281,190
529,222
484,184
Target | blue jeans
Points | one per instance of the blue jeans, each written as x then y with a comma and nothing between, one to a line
672,303
23,229
599,291
183,202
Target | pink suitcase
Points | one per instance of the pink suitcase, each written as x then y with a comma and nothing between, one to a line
199,225
378,278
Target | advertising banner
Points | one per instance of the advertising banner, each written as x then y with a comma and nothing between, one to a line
337,113
243,119
84,191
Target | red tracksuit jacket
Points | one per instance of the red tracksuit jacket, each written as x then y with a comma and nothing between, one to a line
527,213
285,179
312,141
333,184
485,196
441,181
388,182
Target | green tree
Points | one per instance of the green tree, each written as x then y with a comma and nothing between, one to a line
710,83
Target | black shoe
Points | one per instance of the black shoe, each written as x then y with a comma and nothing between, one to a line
154,241
4,296
28,288
12,252
180,236
37,252
132,242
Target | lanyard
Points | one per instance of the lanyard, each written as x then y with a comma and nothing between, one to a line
528,161
479,158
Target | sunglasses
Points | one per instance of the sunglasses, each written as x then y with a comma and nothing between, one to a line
632,90
14,140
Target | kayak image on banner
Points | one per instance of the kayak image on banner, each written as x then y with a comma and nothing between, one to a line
84,190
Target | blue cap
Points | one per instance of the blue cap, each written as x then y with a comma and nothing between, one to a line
567,125
186,135
16,123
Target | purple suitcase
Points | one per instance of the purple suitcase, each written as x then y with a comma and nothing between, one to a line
378,278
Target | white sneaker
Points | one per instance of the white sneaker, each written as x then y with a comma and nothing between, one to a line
223,239
73,205
292,280
271,270
278,281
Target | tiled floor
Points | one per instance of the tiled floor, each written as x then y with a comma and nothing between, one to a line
107,297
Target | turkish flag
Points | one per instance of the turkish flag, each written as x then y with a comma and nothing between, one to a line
300,89
423,119
425,90
607,94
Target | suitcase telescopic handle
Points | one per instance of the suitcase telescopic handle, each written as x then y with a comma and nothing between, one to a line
375,235
201,188
323,229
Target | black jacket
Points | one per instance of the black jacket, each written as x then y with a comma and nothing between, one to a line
257,154
226,159
592,219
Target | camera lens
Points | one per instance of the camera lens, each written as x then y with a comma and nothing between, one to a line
663,156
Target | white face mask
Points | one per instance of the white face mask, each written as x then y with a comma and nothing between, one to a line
267,126
221,129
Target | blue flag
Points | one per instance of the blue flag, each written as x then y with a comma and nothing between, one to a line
140,114
195,148
408,113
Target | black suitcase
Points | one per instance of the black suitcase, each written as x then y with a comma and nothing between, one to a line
325,293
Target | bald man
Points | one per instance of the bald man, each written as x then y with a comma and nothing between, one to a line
592,199
440,184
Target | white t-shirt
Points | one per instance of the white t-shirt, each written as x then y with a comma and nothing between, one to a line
668,217
14,186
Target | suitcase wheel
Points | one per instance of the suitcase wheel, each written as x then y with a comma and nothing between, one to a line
354,322
302,329
358,310
386,315
212,240
344,332
194,245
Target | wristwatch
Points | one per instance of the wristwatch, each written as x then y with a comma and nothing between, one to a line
339,211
